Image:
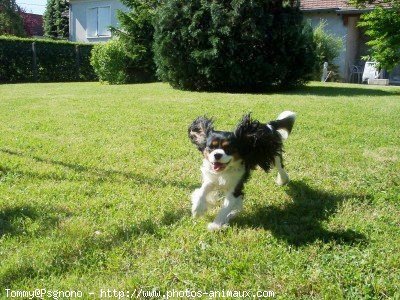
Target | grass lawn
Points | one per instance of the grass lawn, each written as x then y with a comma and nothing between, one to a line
95,183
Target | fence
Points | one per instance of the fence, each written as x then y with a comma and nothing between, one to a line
35,60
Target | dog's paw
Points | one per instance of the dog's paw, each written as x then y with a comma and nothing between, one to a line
282,180
216,227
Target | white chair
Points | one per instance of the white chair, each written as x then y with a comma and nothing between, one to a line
370,71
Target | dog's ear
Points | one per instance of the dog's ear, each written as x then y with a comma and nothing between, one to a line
199,130
247,131
258,144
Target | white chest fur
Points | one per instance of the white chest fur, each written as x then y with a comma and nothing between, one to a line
226,180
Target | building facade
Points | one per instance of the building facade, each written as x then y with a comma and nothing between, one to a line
90,20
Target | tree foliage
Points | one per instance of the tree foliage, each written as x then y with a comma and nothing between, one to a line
382,25
232,45
328,48
56,21
136,35
11,22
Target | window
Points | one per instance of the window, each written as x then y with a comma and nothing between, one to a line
98,21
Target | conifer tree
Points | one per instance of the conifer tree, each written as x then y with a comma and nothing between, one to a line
231,45
10,20
56,21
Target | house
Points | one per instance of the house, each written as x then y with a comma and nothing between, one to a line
33,24
342,20
90,19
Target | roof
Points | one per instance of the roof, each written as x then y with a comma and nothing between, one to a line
33,24
323,4
339,6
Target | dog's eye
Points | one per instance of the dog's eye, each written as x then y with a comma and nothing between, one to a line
214,143
225,144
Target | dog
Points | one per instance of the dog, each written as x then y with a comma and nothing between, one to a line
230,157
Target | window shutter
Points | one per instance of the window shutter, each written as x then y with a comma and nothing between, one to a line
91,22
104,21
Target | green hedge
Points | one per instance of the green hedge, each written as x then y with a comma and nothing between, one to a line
52,61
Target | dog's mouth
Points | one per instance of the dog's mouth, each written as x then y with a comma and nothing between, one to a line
219,166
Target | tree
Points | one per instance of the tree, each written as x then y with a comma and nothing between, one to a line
11,22
56,21
232,45
382,25
136,35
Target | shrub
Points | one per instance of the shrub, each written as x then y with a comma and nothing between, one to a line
328,48
232,45
56,61
110,62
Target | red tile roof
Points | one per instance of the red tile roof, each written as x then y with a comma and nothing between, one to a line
324,4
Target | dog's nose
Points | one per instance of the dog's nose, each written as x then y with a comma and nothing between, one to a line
217,156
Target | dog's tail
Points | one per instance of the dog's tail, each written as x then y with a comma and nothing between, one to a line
284,123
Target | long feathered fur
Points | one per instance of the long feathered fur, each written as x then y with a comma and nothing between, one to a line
258,143
198,131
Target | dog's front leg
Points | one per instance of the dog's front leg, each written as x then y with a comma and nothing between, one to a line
199,199
231,207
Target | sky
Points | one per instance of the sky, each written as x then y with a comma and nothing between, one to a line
33,6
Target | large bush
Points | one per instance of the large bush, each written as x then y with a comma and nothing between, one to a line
232,45
328,48
30,60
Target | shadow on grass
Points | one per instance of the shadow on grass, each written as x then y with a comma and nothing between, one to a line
98,174
349,91
151,226
299,222
17,220
86,251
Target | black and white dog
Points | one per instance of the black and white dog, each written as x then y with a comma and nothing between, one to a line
229,158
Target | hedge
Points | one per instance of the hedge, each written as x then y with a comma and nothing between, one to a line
36,60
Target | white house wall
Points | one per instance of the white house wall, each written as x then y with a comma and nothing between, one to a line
78,18
334,26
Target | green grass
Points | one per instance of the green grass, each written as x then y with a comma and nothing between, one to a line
95,183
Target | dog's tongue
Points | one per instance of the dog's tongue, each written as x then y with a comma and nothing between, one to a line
218,166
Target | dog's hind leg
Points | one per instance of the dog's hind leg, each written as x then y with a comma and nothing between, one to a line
283,177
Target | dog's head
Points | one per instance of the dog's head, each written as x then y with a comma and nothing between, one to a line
218,147
251,142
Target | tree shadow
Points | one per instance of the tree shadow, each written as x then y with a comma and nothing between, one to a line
99,174
13,219
299,222
152,226
4,171
348,91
